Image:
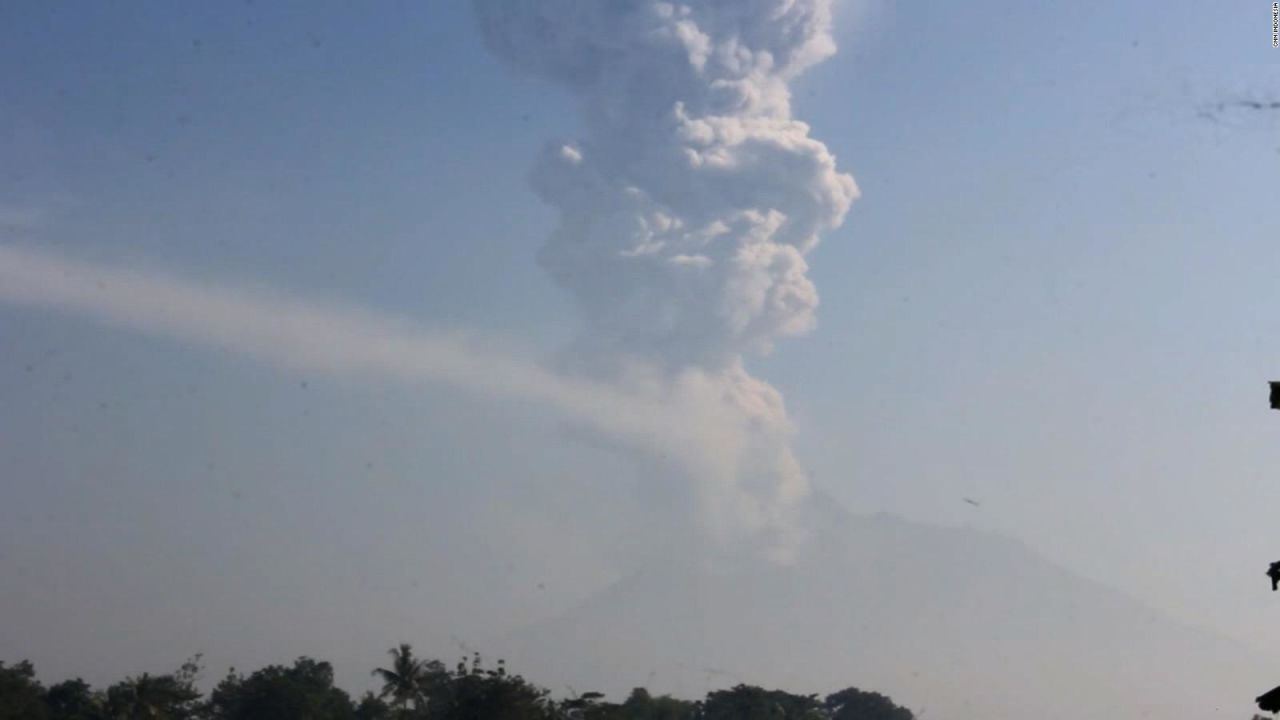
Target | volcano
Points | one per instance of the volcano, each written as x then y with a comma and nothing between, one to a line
954,623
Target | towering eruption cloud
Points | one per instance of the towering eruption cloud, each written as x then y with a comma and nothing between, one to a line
688,207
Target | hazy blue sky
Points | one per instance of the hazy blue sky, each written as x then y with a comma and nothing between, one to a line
1057,295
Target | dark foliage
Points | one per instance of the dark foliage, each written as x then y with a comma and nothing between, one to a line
303,691
747,702
854,704
21,696
156,697
411,689
74,700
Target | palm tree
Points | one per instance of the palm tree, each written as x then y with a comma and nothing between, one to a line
406,681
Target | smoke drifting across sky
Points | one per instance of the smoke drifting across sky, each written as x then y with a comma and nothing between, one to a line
687,209
686,214
311,336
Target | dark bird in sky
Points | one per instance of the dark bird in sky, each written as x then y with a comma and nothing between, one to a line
1275,395
1273,572
973,502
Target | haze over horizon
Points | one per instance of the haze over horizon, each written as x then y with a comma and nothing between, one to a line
331,329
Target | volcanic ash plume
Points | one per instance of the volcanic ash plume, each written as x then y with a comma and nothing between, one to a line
688,206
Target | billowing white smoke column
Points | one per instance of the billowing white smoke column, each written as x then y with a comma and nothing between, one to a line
688,207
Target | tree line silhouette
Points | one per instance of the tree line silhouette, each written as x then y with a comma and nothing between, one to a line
412,689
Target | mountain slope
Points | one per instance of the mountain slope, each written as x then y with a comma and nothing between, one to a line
953,622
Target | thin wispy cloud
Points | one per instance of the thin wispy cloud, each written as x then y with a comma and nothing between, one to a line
293,333
688,422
